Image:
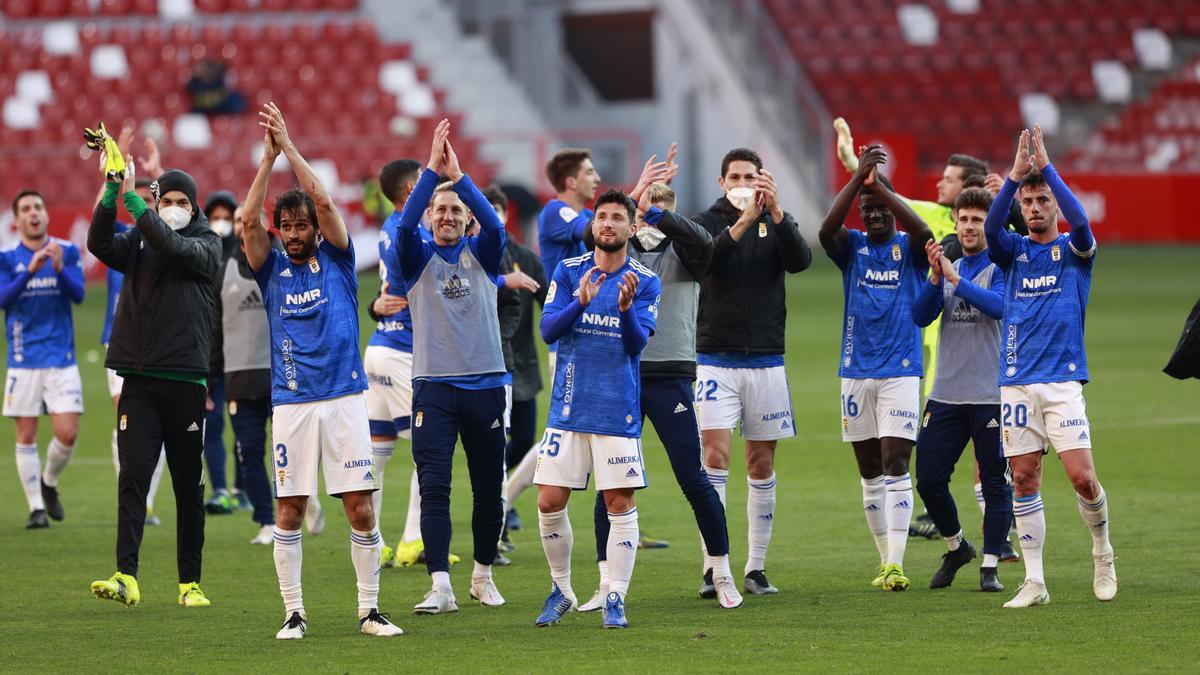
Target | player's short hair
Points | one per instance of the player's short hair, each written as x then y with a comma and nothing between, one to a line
496,196
294,200
615,196
740,155
661,193
973,198
883,180
26,193
444,186
971,166
974,181
1032,179
396,173
565,164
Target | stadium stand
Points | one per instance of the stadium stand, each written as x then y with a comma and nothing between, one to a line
347,94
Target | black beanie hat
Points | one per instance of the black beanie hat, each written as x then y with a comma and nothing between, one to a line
175,180
220,198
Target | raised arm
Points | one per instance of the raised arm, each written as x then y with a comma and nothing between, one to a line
725,242
793,251
489,245
333,228
833,234
254,230
989,300
917,229
103,241
930,300
564,308
1001,242
1081,232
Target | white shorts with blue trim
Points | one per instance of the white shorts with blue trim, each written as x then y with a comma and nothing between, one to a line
33,392
389,391
755,399
331,434
568,458
1036,416
880,407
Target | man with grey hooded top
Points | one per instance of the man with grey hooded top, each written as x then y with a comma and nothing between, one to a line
160,345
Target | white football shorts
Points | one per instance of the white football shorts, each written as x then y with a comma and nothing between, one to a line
389,391
878,408
33,392
332,433
755,399
1036,416
568,458
114,382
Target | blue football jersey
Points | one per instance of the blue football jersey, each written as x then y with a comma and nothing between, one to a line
313,310
1041,335
115,279
395,331
597,385
38,322
880,283
558,224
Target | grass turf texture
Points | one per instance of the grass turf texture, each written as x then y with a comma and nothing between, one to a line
826,617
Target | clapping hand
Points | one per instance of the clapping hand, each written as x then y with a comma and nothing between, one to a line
933,251
588,288
628,285
437,150
1022,163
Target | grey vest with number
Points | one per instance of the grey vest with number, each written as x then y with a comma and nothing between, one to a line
968,364
674,338
247,336
455,327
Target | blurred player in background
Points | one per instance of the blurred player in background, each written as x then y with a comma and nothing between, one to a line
458,366
319,418
601,309
1043,366
741,381
160,345
40,278
964,405
880,360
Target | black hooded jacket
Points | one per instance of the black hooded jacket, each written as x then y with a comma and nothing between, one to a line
743,307
164,316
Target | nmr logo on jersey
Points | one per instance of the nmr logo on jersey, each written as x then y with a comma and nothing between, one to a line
1044,281
303,298
42,282
601,320
882,275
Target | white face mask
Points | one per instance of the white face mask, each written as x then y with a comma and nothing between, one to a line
740,197
649,236
176,217
222,226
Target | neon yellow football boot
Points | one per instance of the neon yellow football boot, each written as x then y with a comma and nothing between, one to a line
190,595
120,587
881,573
894,579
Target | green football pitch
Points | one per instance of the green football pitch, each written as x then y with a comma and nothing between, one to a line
826,616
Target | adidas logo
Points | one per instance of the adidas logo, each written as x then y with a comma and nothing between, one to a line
902,504
864,251
631,473
1027,538
1083,435
194,427
287,272
252,301
626,544
20,268
767,517
908,426
992,424
871,508
1100,524
679,407
368,476
785,425
552,536
495,424
1023,258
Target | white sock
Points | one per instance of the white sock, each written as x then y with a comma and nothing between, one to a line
1095,516
717,478
412,522
482,571
622,550
990,560
29,470
521,478
57,456
116,454
364,553
289,557
1031,526
760,516
720,566
156,478
979,498
441,580
899,506
873,503
954,541
557,540
381,452
603,585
